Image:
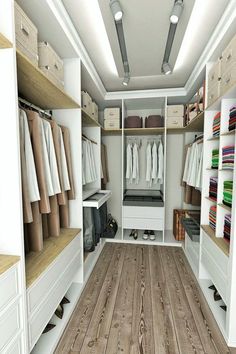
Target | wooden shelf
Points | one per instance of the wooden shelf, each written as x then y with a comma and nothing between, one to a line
196,124
226,207
219,241
143,131
88,120
211,200
111,131
231,132
226,169
7,261
37,262
230,93
213,138
4,42
211,169
34,86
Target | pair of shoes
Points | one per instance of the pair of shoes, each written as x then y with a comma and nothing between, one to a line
134,234
216,295
60,309
149,234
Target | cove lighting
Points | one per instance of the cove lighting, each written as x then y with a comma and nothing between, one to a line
177,11
116,10
166,69
126,80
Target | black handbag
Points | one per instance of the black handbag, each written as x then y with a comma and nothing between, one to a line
111,228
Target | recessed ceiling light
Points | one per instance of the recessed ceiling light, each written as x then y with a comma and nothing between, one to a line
177,11
166,69
126,80
116,10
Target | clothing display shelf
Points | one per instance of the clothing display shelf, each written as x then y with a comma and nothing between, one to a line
7,261
4,42
134,131
219,241
88,120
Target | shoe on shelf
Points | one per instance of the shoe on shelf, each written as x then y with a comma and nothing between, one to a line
132,233
217,296
152,235
212,287
59,311
48,327
135,234
145,235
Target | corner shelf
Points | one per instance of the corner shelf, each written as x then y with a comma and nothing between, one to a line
7,261
226,207
4,42
219,241
34,85
196,124
88,120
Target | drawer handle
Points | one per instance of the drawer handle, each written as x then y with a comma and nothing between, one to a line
228,57
56,67
24,30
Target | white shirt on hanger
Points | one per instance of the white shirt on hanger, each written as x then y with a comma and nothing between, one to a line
154,163
160,163
149,164
129,163
135,172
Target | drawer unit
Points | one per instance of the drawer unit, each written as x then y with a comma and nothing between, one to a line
192,250
228,79
15,347
86,102
174,122
229,56
143,212
112,124
214,74
9,325
214,92
175,110
98,199
26,35
112,113
216,264
39,290
143,223
40,319
9,286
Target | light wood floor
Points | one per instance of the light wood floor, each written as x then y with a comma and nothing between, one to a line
142,300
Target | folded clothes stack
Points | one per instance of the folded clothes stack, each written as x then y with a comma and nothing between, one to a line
227,193
212,217
228,157
216,124
213,188
215,158
232,118
227,227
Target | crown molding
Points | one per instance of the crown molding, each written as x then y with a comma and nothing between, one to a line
171,92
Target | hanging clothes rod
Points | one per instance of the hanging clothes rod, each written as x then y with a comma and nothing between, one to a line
85,138
31,105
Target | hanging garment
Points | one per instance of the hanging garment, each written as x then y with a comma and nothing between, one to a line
47,169
186,166
198,183
88,230
135,165
160,163
34,122
104,162
51,157
53,219
149,165
89,177
67,145
65,174
34,230
64,213
92,158
129,163
154,163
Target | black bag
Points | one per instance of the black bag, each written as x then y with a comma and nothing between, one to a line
100,221
111,228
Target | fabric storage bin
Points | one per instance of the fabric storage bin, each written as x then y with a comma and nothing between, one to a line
49,59
228,79
133,122
112,113
94,110
154,121
86,102
213,93
174,122
26,35
214,74
46,70
112,124
229,56
175,110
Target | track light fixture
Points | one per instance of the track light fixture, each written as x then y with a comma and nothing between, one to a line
166,69
116,10
176,11
126,79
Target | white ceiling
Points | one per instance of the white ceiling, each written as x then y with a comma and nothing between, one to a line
146,25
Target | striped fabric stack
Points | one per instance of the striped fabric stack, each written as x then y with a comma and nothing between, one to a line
216,124
232,118
212,217
228,157
227,193
213,188
215,158
227,227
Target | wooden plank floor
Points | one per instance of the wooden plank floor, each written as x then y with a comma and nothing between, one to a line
142,300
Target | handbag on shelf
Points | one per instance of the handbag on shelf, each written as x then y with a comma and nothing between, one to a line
111,227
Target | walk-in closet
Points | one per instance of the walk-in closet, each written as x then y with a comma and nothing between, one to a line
117,183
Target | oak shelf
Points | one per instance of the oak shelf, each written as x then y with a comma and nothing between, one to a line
34,86
211,199
230,132
226,207
7,261
213,138
88,120
219,241
4,42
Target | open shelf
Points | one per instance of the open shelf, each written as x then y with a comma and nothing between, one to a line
230,132
37,262
4,42
7,261
111,131
230,93
143,131
88,120
196,124
34,86
88,192
219,241
213,138
211,199
226,207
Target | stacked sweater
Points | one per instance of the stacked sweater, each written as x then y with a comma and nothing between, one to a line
213,188
215,158
227,193
228,157
232,118
227,226
212,217
216,124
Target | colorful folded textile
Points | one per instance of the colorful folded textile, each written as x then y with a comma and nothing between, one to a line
227,193
216,124
213,188
232,118
212,217
215,158
227,227
228,157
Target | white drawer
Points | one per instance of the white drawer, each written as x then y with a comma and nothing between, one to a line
15,347
192,250
9,286
143,224
214,74
175,110
213,93
228,79
9,325
39,290
143,212
216,263
96,200
229,56
47,308
174,122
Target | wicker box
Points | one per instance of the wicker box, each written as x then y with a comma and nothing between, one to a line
112,113
26,35
178,229
94,110
86,101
